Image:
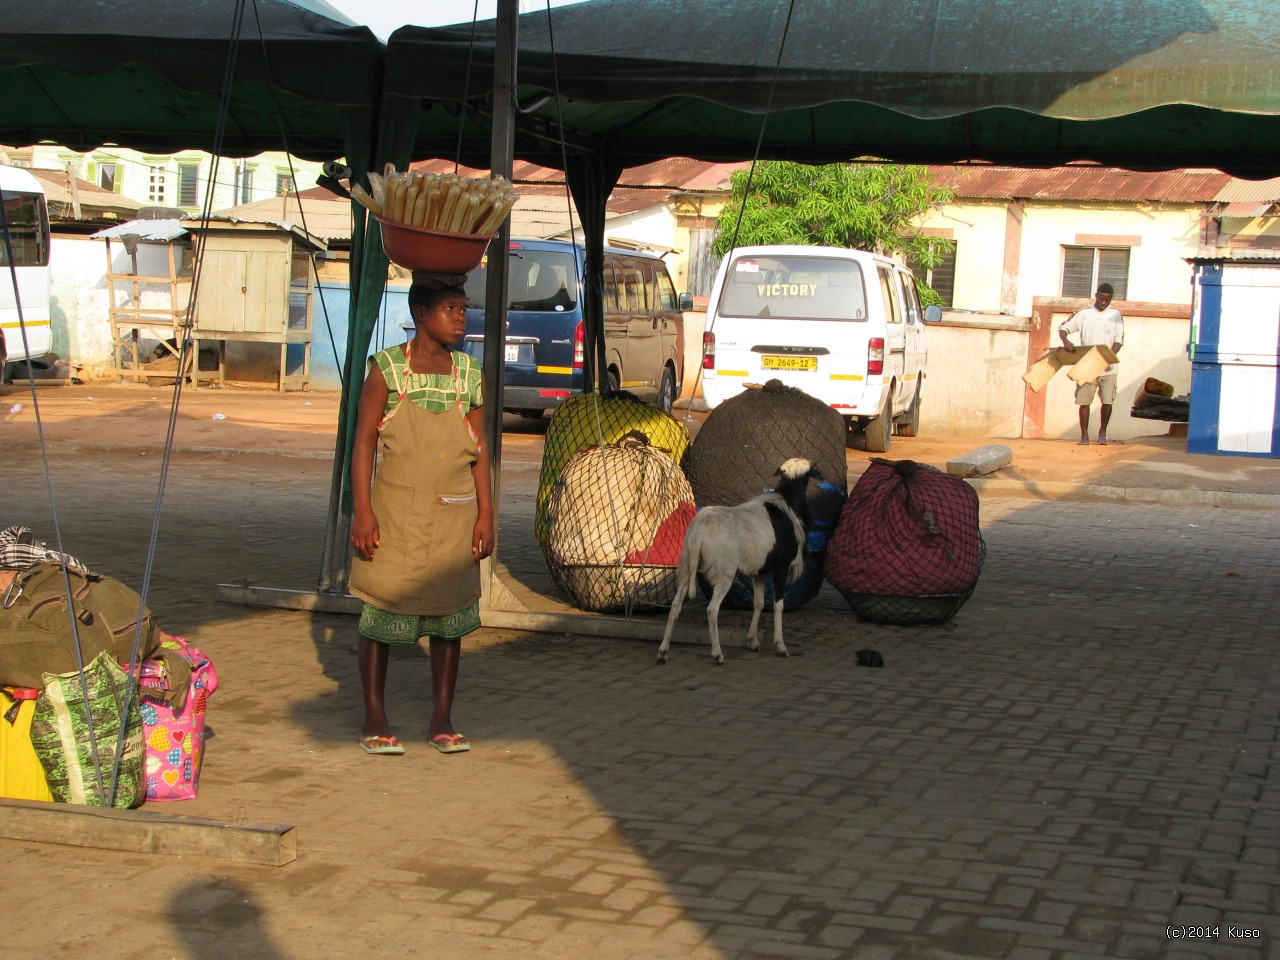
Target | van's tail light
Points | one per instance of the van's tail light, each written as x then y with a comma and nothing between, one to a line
708,351
579,345
875,357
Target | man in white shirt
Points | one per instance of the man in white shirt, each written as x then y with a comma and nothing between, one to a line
1100,324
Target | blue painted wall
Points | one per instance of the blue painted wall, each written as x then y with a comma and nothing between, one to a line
328,353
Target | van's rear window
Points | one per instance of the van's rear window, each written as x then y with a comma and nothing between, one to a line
538,280
794,288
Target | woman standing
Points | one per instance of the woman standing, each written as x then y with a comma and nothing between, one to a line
422,527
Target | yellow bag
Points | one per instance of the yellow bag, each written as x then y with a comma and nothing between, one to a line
21,775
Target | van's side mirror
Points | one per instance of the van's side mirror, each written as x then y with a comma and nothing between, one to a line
686,301
932,313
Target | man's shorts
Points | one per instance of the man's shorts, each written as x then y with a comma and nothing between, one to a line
1104,387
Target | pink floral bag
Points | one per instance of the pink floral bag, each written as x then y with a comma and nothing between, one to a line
174,738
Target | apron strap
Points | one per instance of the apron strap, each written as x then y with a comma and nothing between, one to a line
401,381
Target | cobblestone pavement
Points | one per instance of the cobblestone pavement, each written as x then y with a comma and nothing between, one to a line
1084,764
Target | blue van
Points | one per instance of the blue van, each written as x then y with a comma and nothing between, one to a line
644,325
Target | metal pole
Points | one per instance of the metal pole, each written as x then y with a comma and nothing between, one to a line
501,159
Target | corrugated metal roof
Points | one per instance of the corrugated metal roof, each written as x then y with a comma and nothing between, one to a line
1250,191
1247,211
1238,255
1081,182
674,173
57,191
152,231
326,215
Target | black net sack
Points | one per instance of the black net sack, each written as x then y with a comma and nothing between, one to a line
589,420
907,548
735,457
616,520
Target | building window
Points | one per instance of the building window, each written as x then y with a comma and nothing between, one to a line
246,185
284,184
107,176
188,184
1083,268
155,185
941,278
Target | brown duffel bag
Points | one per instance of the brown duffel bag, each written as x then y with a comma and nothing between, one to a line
36,635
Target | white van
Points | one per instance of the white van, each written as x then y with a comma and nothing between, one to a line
26,281
844,326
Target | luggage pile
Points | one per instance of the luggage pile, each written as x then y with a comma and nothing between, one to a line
620,484
82,728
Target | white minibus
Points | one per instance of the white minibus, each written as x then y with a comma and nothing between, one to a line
844,326
24,267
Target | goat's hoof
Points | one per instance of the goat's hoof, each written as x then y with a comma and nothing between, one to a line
662,658
718,661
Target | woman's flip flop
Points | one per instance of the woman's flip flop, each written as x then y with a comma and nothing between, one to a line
450,743
386,746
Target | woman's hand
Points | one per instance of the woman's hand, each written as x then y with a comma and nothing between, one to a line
482,538
364,533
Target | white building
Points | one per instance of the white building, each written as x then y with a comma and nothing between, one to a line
181,180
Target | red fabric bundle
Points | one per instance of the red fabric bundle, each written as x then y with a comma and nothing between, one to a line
669,540
907,530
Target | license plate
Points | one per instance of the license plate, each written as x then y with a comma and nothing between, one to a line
513,352
789,363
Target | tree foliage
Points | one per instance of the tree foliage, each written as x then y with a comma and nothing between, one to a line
862,206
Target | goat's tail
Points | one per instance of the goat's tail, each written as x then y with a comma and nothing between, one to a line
690,561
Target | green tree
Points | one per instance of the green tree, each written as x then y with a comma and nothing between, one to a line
862,206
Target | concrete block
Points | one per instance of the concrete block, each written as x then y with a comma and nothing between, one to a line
983,460
142,831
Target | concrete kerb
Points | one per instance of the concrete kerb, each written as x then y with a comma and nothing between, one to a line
1059,490
80,446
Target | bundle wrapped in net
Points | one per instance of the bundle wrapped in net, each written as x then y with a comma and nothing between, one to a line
616,520
738,451
907,547
590,420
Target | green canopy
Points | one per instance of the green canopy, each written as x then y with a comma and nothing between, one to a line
1143,84
150,75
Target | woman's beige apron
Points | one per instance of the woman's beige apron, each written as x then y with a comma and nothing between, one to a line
424,497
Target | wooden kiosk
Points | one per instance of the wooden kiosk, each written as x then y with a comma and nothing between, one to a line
257,286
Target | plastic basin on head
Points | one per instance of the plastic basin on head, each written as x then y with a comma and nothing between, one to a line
420,249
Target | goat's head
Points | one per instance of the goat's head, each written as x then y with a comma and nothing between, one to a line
796,468
794,484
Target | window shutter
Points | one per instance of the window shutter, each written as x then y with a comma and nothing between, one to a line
1077,271
1113,268
943,277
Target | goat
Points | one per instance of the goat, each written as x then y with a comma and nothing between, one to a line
763,537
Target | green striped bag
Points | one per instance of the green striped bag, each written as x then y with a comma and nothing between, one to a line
60,735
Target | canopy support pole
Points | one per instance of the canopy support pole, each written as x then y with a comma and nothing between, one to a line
591,180
501,162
